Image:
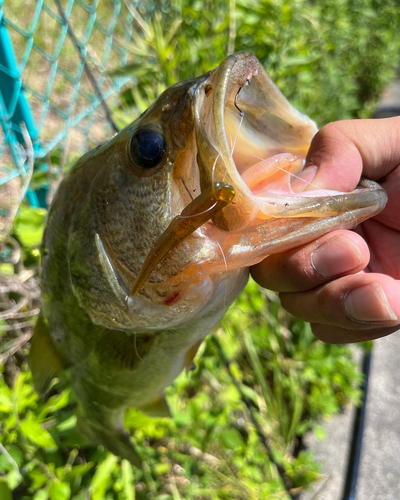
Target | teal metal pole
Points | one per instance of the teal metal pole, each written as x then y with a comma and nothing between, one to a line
14,107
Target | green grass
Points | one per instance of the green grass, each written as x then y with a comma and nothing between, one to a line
210,450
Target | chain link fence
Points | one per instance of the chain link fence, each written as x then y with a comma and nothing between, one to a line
56,88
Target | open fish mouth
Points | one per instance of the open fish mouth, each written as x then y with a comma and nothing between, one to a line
251,147
249,136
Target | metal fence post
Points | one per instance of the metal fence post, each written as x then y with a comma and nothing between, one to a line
14,108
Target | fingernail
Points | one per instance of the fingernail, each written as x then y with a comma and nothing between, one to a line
304,178
336,256
369,303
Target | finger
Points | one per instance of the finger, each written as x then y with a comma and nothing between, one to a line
390,215
336,335
384,246
303,268
357,302
343,151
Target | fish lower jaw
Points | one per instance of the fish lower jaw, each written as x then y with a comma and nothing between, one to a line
277,192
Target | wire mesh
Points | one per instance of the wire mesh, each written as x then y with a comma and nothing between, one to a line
56,57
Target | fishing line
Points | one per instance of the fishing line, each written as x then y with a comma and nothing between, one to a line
213,184
214,168
233,143
226,319
180,216
230,312
237,132
235,307
96,344
233,148
225,326
326,192
226,271
282,169
137,353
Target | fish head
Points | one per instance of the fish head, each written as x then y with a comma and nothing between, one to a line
232,128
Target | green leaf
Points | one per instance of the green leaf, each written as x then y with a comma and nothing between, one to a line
295,64
102,477
5,492
249,393
67,424
38,478
29,224
161,469
6,269
11,422
128,480
59,490
41,495
23,392
36,434
6,405
77,472
40,177
320,432
232,439
11,458
14,478
55,403
82,495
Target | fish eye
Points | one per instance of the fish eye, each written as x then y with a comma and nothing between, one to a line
147,148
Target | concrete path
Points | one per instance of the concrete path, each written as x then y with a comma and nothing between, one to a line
390,100
379,475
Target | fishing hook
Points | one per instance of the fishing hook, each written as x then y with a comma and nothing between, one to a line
236,106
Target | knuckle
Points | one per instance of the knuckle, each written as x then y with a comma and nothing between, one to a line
329,130
300,263
293,303
326,308
286,299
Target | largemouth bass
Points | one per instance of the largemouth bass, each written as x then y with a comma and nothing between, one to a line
150,236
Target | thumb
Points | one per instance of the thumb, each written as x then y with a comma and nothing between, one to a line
344,151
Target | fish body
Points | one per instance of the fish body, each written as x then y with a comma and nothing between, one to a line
125,322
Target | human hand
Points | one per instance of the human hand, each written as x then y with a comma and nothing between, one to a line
346,283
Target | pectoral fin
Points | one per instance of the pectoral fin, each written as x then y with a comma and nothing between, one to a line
44,361
157,409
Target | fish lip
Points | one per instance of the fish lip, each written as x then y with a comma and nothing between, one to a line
229,82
